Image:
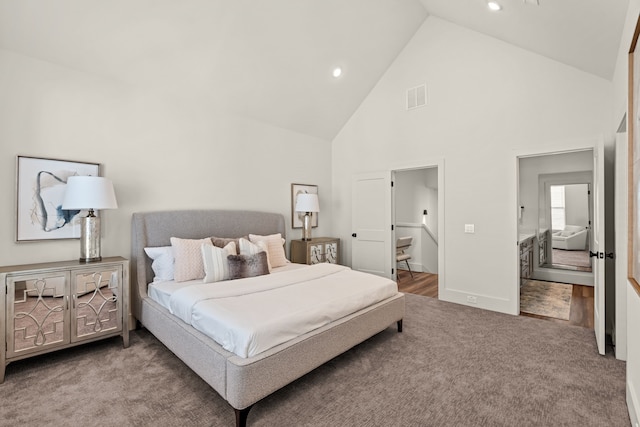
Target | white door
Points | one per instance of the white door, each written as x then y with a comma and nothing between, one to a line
598,246
371,223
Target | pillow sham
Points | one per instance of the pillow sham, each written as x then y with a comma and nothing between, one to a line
248,248
216,265
275,248
162,262
242,266
221,242
188,255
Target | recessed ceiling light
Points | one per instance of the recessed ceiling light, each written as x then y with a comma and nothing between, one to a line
494,6
337,72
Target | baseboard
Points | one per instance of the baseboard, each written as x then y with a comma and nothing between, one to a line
633,404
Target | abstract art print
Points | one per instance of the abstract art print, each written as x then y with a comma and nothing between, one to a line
40,190
297,217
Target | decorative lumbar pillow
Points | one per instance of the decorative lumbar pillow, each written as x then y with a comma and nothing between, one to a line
188,255
241,266
246,247
163,262
221,242
216,265
275,248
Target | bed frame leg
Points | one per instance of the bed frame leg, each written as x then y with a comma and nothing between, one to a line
400,325
241,416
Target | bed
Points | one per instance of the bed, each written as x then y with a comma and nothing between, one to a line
241,381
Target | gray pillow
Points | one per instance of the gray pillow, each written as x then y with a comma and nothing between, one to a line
221,242
241,266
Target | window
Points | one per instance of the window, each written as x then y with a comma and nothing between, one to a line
558,215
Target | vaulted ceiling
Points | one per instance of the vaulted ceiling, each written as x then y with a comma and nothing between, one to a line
271,60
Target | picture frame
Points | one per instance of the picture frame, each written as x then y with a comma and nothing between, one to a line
633,166
40,186
297,217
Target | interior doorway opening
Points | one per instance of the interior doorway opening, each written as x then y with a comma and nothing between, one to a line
555,229
416,236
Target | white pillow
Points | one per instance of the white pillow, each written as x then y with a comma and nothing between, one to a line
216,265
163,262
567,233
275,248
189,265
249,248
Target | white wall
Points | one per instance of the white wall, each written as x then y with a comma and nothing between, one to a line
576,198
160,153
487,102
633,355
620,91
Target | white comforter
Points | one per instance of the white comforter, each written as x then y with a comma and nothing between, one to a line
249,316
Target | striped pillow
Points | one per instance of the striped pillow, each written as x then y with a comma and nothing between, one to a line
249,248
216,265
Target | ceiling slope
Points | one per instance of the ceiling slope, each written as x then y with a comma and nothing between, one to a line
267,60
272,60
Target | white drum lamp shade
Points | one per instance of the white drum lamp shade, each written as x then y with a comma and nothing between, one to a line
307,203
89,193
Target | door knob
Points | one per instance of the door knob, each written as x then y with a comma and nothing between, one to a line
354,235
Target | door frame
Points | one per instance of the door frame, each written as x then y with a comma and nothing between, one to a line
427,164
559,147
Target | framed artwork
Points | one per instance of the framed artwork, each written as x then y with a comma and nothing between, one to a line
40,187
633,131
297,217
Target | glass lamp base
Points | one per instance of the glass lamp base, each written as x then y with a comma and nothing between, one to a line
90,239
306,227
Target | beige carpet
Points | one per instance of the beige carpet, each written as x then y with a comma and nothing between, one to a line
546,299
453,365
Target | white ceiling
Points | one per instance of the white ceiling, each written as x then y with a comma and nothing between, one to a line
272,60
582,33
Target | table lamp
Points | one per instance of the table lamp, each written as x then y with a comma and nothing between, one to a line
307,203
89,193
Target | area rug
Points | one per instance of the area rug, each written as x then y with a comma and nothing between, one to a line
576,260
547,299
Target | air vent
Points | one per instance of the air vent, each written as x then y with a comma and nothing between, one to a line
416,97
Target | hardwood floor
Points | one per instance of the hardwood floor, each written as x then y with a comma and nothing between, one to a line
581,311
425,284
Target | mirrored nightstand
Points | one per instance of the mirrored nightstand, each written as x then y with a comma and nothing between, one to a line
315,251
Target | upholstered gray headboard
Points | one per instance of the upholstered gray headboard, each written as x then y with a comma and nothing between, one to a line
151,229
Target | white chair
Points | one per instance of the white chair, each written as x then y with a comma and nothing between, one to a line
402,245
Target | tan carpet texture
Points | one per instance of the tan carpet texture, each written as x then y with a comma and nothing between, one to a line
452,366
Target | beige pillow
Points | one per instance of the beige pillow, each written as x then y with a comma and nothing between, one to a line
188,255
275,248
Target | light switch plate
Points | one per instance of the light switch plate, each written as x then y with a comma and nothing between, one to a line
469,228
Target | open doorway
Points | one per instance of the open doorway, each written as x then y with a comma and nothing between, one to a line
555,221
415,202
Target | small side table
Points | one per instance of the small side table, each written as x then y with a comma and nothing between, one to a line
316,250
